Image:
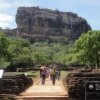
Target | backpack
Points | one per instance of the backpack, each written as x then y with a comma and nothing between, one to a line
53,71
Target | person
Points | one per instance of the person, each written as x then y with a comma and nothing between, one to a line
53,75
43,76
40,72
41,68
58,72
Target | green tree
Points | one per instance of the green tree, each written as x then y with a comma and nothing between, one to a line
19,51
88,48
3,45
3,49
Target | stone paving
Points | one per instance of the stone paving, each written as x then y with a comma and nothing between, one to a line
46,90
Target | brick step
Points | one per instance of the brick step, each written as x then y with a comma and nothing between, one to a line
42,98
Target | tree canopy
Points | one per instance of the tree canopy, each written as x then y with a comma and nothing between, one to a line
88,48
85,50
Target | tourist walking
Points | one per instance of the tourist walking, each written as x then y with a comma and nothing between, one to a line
53,75
40,72
43,76
48,73
58,72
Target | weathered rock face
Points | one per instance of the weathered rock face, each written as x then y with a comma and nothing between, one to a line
43,24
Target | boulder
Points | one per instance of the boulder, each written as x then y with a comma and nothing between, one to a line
45,24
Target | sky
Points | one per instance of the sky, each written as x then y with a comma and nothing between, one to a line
88,9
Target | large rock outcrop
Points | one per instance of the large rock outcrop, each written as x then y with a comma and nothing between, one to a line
46,24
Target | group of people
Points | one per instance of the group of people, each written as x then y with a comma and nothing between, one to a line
52,72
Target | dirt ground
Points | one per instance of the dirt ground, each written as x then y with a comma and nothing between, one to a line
37,89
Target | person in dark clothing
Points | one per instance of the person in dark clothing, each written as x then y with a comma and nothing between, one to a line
43,76
40,72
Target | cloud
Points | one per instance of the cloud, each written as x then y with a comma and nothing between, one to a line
28,3
80,2
4,25
8,10
6,20
4,5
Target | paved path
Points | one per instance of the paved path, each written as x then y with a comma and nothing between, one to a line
45,90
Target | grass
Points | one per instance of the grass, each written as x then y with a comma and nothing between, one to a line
33,74
64,74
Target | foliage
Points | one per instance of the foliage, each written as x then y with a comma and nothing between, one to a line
88,48
19,50
3,49
85,50
3,45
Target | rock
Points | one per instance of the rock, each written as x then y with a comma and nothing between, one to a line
46,24
10,32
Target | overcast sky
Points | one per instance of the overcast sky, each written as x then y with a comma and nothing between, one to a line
88,9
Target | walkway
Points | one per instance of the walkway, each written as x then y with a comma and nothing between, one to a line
45,91
48,89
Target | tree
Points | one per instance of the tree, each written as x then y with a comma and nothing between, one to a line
3,49
3,45
19,51
88,48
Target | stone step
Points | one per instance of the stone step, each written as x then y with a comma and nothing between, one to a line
42,98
